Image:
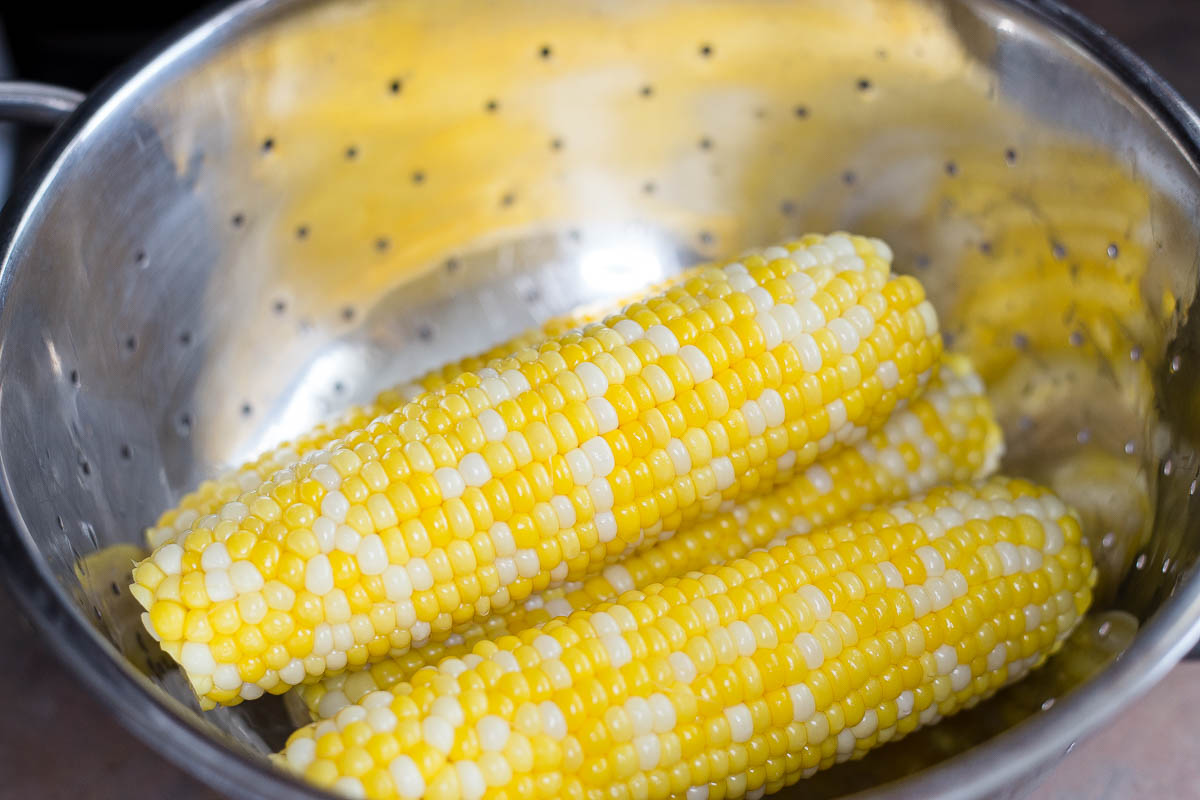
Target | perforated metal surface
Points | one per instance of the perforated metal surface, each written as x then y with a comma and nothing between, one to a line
304,203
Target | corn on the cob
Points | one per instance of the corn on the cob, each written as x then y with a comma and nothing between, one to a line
737,679
651,419
211,495
947,435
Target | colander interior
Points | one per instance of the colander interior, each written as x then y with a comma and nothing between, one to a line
304,203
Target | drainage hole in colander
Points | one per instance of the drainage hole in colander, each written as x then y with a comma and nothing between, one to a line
59,522
1111,251
338,387
1107,541
382,244
787,208
575,235
1020,341
849,177
139,258
985,247
125,451
1130,447
556,144
1076,339
863,84
268,144
418,177
1141,562
1084,436
648,187
247,409
183,424
706,143
1135,353
706,238
1058,250
279,306
801,112
351,153
425,333
533,295
646,91
130,343
85,467
545,51
238,219
1010,156
74,376
491,106
951,168
706,50
451,265
302,232
508,199
1176,363
185,338
116,590
348,314
1168,467
395,86
922,261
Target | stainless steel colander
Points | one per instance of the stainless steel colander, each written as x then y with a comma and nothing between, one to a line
294,204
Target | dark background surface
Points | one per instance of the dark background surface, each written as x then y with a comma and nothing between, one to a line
57,742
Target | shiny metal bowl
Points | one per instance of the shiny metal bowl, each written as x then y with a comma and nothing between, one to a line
292,204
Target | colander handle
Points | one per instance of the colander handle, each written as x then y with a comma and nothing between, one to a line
36,103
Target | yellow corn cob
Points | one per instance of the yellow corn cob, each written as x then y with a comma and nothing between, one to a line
211,495
947,435
651,419
737,679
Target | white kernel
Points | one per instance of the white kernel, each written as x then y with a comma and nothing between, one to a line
742,282
169,558
502,539
845,335
741,724
905,702
845,743
335,506
1010,558
683,667
527,562
630,331
640,716
933,528
663,712
323,642
696,362
647,749
343,636
564,509
788,321
605,414
810,314
772,407
493,733
816,600
1033,617
756,422
946,658
226,677
722,469
197,659
594,381
327,476
743,637
932,560
517,383
997,657
802,285
381,719
506,568
960,677
600,490
396,583
809,352
697,792
494,428
889,374
471,784
606,526
438,733
810,649
891,575
346,539
419,574
867,725
1055,540
950,518
820,478
245,577
450,482
803,703
680,457
920,601
372,556
603,623
506,661
293,672
761,298
600,454
929,317
836,411
215,556
1031,559
772,335
218,586
496,390
580,466
957,583
448,709
474,470
618,650
663,340
619,579
300,753
410,783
